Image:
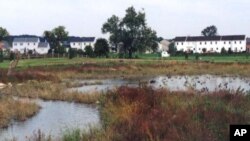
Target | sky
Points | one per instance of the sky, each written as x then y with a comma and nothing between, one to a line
169,18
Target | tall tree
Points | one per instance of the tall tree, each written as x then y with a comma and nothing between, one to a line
55,37
132,31
101,47
112,26
3,32
209,31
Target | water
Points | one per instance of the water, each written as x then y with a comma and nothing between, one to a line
53,119
172,83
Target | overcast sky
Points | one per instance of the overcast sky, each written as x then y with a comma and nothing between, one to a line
169,18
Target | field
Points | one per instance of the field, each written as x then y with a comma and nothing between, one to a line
141,57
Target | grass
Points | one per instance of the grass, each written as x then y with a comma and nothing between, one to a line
11,109
154,115
51,91
124,68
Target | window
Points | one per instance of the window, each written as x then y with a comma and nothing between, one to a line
84,43
211,43
79,44
205,43
240,42
216,43
74,43
15,44
34,44
199,48
229,42
224,42
181,43
217,48
21,44
176,43
28,44
235,42
200,43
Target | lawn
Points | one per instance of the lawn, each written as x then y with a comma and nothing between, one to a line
141,58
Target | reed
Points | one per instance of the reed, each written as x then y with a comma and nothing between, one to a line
11,109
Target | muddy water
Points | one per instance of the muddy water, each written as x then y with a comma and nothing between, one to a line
173,83
53,119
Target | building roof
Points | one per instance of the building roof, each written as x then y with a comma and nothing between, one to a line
43,45
26,39
213,38
80,39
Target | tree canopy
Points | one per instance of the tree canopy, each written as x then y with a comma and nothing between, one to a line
101,47
132,31
55,37
3,32
209,31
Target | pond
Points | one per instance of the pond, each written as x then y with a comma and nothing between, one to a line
173,83
53,118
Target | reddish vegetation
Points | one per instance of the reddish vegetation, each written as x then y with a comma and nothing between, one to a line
158,115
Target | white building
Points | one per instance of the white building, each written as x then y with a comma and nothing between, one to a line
201,44
81,42
26,44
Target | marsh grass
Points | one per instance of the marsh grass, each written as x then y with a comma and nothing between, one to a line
145,114
11,109
126,68
47,90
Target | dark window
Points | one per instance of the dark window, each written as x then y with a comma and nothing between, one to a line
224,42
181,43
34,43
216,43
201,43
205,43
28,44
229,42
211,43
235,42
21,44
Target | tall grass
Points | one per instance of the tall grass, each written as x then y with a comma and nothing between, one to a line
47,90
11,109
145,114
128,68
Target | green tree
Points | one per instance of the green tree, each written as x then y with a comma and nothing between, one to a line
56,37
89,51
132,31
223,51
3,32
112,26
209,31
101,47
172,49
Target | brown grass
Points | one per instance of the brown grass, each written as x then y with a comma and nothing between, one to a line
11,109
158,115
51,91
128,68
